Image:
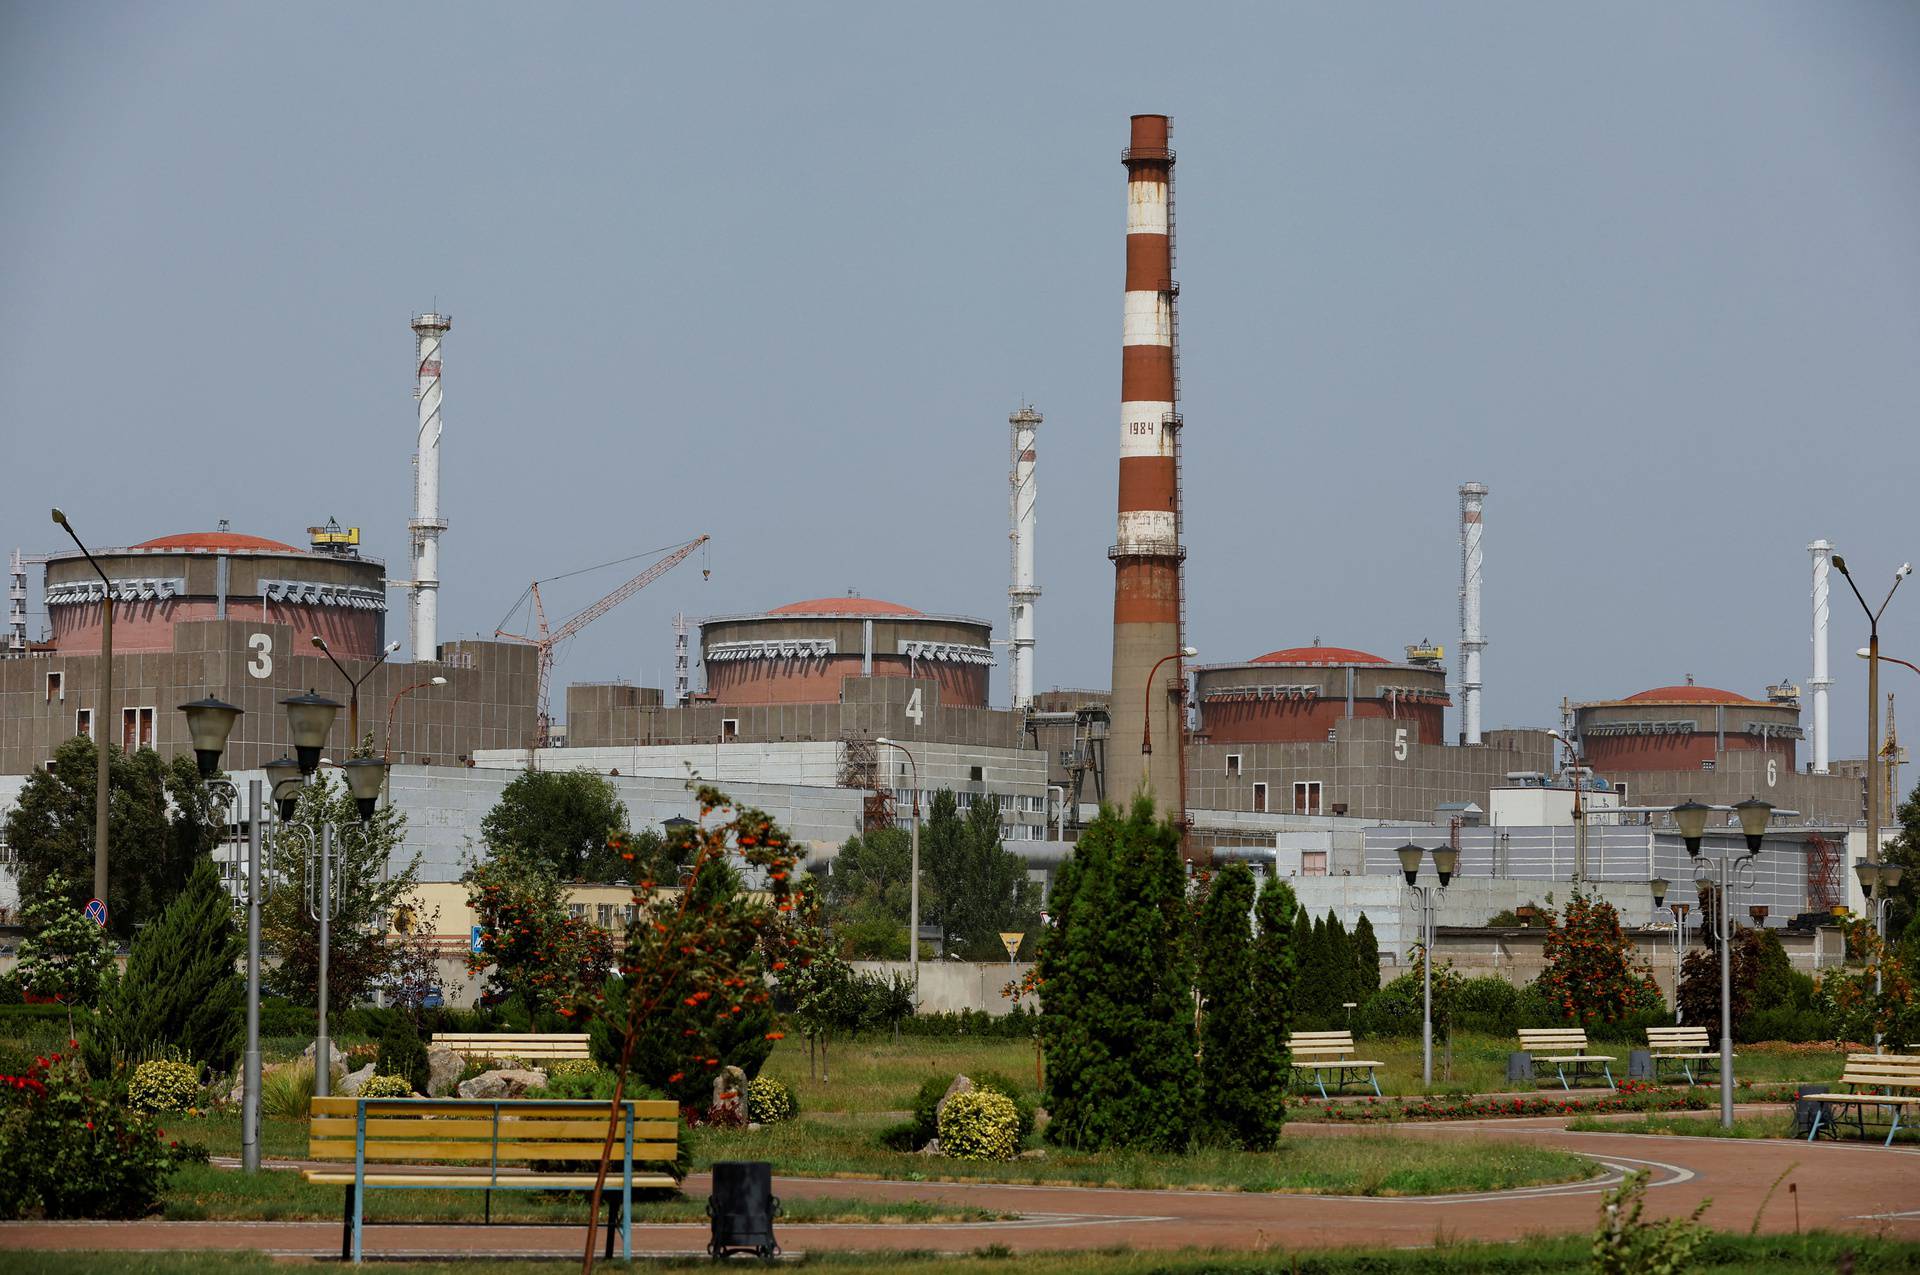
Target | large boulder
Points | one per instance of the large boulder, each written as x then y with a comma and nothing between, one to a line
443,1071
334,1052
353,1082
729,1097
960,1085
507,1082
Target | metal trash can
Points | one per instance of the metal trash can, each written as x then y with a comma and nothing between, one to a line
1640,1064
1520,1065
1803,1110
742,1207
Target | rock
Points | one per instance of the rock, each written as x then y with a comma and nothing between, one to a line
351,1085
960,1085
509,1082
932,1148
754,1126
729,1096
443,1071
1038,1153
337,1055
1041,1119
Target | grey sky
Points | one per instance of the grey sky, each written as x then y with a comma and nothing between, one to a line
779,273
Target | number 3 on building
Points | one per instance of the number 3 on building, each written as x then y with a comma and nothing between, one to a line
915,713
1773,771
261,665
1400,743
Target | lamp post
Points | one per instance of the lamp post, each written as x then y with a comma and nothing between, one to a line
1873,695
1445,860
913,875
1658,886
387,753
1878,880
1146,716
353,684
1691,817
210,724
1575,765
1680,911
105,706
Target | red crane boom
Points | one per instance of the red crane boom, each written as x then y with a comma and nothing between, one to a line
544,642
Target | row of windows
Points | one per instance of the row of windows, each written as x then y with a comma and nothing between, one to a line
1306,797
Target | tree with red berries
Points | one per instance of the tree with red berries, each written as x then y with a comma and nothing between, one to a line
1593,974
534,951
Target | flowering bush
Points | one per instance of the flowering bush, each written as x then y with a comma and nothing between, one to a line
71,1150
160,1085
769,1101
980,1125
1592,974
387,1087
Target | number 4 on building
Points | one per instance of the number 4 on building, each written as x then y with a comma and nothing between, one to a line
915,713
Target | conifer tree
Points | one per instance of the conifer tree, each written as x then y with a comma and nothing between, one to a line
1337,967
1366,961
1303,949
1239,1061
182,989
1275,976
1117,990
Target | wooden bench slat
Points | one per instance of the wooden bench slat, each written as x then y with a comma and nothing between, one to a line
522,1108
482,1151
511,1128
515,1181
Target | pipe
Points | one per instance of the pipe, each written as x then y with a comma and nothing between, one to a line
427,524
1473,499
1024,490
1820,682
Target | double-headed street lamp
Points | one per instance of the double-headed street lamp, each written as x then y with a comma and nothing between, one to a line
1873,695
103,706
1878,880
353,683
1691,818
1445,860
913,874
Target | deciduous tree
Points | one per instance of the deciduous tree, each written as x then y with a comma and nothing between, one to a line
563,818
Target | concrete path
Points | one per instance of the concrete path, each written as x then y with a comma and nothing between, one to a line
1789,1185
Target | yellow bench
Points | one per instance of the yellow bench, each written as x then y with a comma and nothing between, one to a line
487,1144
525,1046
1321,1052
1564,1047
1883,1082
1683,1045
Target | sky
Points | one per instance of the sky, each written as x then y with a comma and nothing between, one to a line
779,274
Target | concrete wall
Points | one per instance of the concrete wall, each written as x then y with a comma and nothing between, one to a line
951,986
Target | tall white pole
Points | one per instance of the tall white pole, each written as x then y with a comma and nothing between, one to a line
1024,485
1473,499
1822,551
427,524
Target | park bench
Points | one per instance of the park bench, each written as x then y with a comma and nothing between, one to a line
524,1046
1682,1045
1564,1047
482,1144
1877,1082
1321,1052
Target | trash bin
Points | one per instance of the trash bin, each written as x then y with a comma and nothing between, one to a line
1803,1110
1640,1064
1520,1065
742,1207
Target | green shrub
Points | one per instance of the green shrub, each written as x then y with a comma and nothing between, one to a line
161,1085
401,1054
1487,996
926,1105
769,1101
980,1125
576,1078
1785,1023
994,1082
281,1017
288,1090
378,1086
71,1150
899,1137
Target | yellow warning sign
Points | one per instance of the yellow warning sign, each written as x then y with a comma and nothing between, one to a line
1012,940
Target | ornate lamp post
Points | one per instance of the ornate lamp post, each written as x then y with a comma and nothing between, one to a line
1873,695
1445,860
353,683
1878,880
913,874
1691,817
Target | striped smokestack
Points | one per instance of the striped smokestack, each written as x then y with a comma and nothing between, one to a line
1147,672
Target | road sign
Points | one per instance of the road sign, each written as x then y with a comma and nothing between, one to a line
1012,940
474,939
95,911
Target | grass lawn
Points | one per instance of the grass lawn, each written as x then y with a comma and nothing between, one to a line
1745,1255
202,1192
1708,1126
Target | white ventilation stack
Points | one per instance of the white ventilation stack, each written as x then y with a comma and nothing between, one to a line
682,673
1822,551
17,607
1473,499
1023,487
424,597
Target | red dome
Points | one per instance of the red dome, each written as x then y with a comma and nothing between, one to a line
1687,695
843,606
215,540
1325,656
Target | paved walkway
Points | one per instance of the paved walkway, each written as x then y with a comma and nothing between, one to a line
1835,1186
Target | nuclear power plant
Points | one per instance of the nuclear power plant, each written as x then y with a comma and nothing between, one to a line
1308,754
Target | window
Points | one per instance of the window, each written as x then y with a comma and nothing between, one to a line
729,728
1306,797
56,686
1706,765
578,911
976,773
1006,805
605,914
1333,735
1006,832
1233,765
136,728
83,722
1259,799
1313,863
1622,790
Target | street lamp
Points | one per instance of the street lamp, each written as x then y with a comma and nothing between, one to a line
209,724
1878,880
353,683
394,703
283,781
1873,695
105,706
913,875
1146,716
1691,818
1445,860
309,718
1576,765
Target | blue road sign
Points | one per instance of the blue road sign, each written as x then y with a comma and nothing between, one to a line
474,938
95,911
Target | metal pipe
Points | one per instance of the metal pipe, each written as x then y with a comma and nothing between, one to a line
250,1075
1726,993
323,1049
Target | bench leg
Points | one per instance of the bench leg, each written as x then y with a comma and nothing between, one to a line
1561,1071
1818,1111
1320,1082
1608,1069
1894,1127
1374,1077
359,1203
613,1207
346,1224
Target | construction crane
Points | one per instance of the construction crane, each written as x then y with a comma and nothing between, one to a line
545,642
1893,756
